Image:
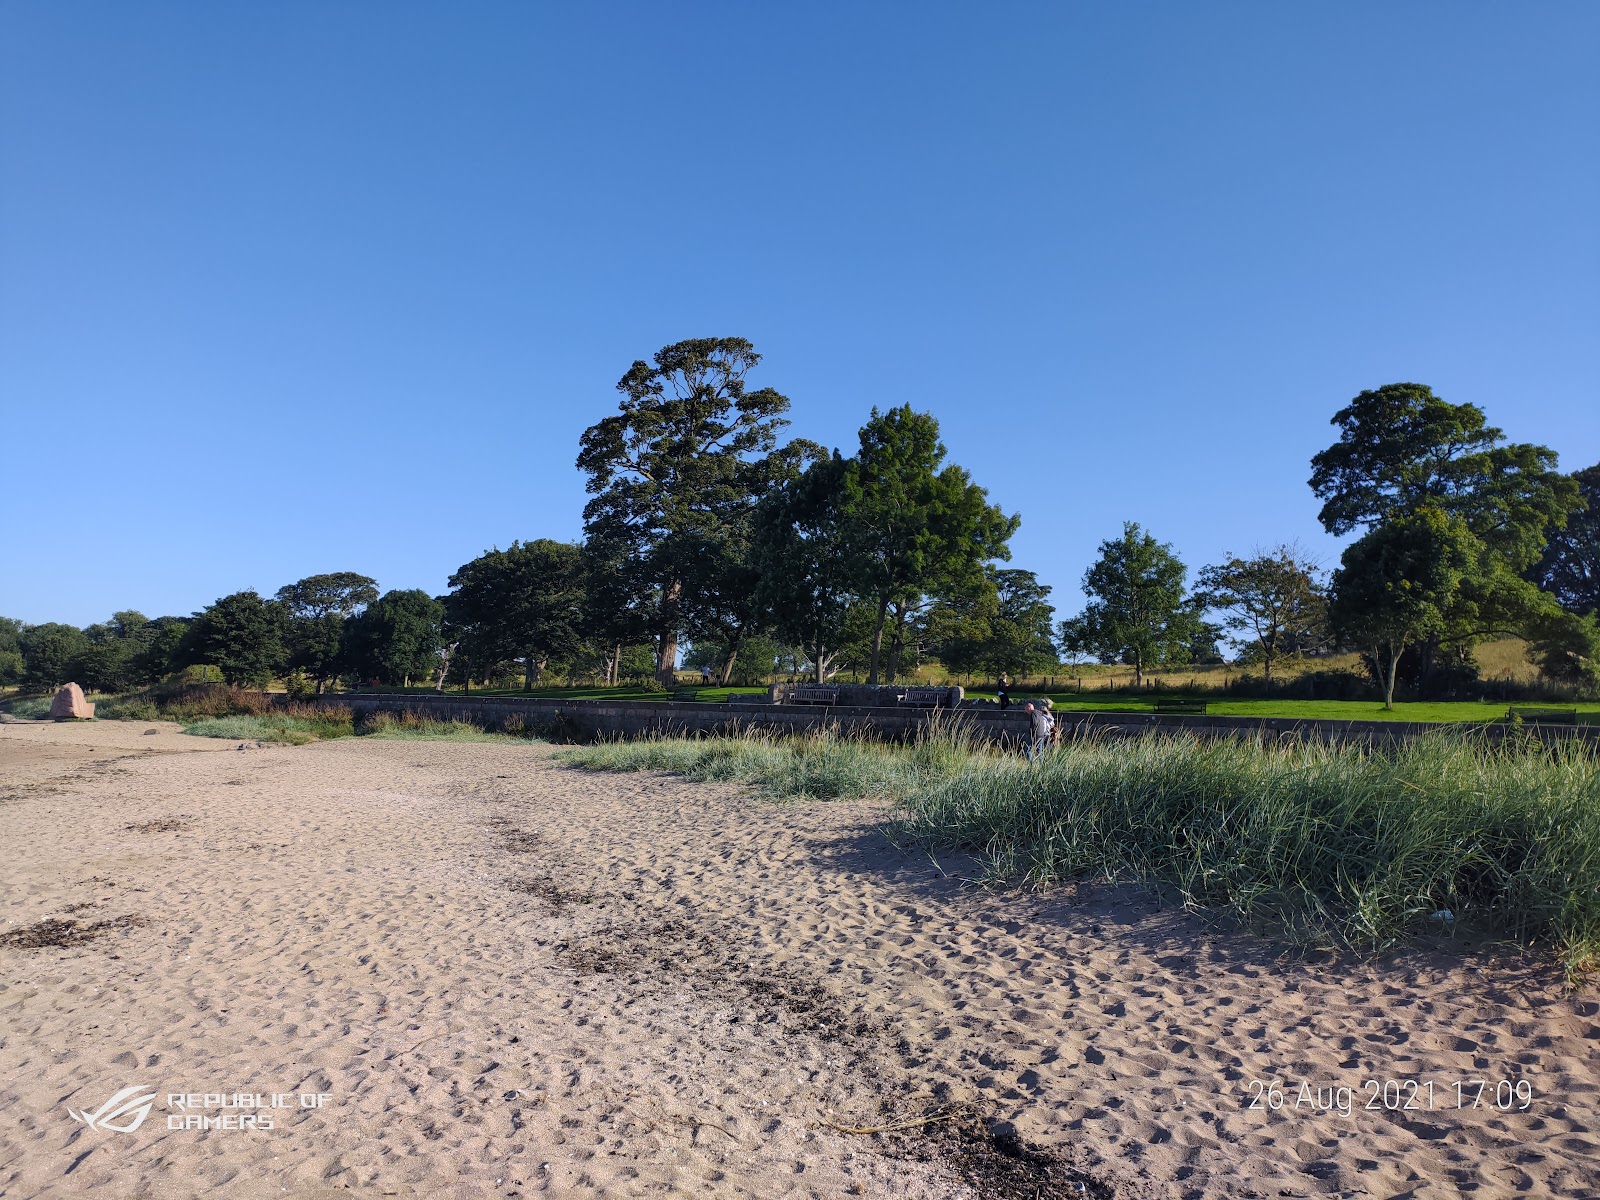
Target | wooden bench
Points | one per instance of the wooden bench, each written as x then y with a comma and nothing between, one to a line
814,695
1191,707
1537,715
922,698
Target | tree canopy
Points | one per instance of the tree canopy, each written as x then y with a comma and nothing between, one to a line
913,525
1271,601
1396,585
524,602
677,471
1137,611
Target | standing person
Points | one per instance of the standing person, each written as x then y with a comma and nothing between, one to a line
1003,692
1040,725
705,675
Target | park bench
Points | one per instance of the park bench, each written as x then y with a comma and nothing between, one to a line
814,695
1190,707
923,698
1538,715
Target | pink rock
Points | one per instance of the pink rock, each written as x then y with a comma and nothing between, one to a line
69,704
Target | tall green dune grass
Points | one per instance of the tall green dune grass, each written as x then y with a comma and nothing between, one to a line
1337,846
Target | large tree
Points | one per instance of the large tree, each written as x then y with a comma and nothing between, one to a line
1268,602
1137,611
1397,584
679,469
241,634
49,653
524,602
806,583
397,638
317,608
914,525
11,664
1006,625
1569,569
1403,450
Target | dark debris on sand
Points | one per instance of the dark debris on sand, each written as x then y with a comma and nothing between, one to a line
53,932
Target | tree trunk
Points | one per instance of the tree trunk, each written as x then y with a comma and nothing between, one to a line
726,676
1388,676
614,667
877,642
1138,669
667,655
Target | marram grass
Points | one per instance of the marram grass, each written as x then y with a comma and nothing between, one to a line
1335,845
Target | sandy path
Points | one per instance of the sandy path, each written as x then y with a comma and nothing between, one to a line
514,979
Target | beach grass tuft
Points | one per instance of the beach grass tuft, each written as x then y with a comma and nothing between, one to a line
1337,846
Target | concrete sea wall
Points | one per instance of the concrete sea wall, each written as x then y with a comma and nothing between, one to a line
590,719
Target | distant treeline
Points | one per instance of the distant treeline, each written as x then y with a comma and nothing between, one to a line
706,528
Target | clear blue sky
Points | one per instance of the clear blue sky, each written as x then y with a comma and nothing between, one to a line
299,287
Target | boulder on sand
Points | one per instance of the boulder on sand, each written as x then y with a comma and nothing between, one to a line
69,704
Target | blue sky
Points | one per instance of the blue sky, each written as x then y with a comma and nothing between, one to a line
303,287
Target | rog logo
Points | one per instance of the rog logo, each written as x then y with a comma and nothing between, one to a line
123,1113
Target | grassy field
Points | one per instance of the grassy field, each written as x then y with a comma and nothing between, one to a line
1337,847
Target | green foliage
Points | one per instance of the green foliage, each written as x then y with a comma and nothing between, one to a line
243,635
802,560
1137,611
50,652
1002,625
1396,585
674,477
911,525
1401,449
525,602
396,639
1337,846
1270,602
1569,569
11,663
317,608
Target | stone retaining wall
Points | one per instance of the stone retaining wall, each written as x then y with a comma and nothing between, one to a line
587,719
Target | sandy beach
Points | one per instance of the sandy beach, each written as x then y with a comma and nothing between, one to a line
452,969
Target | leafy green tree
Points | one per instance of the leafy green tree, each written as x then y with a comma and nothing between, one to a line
396,639
111,661
1021,632
1137,611
1397,584
243,636
1569,569
162,650
317,608
807,583
525,602
11,665
1005,626
1271,601
914,525
678,470
617,613
1402,450
49,652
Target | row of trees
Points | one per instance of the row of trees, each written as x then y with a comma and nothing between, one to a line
704,525
1463,537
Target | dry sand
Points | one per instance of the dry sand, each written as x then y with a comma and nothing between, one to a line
512,979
